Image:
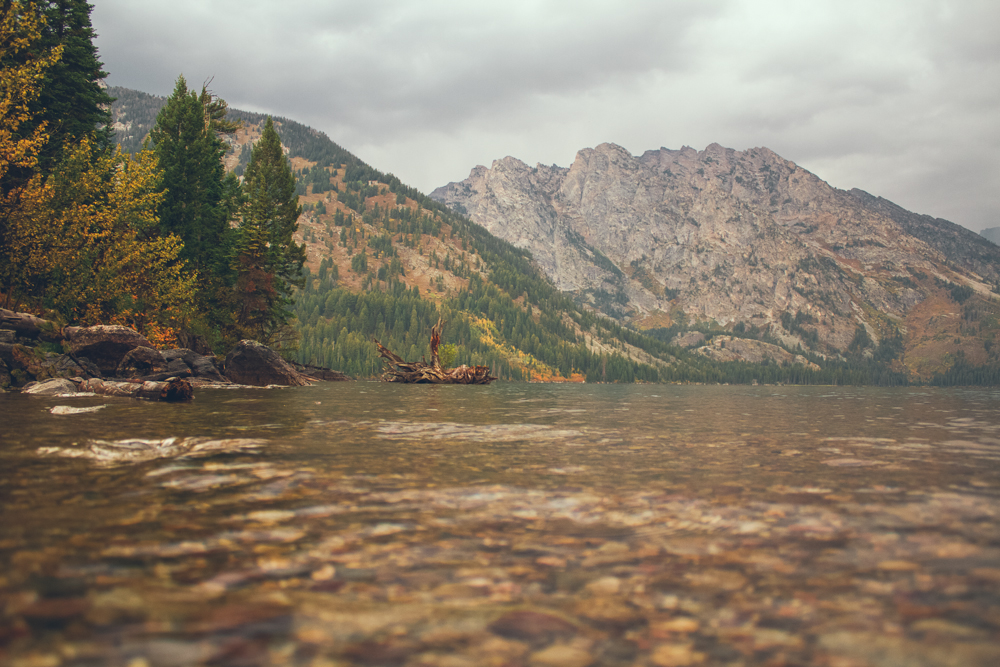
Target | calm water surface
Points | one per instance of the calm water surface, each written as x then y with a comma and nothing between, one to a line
509,525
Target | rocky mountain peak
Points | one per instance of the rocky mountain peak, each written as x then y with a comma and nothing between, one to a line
729,238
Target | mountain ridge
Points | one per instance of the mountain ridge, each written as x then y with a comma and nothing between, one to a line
744,239
385,260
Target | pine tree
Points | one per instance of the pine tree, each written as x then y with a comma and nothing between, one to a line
199,199
268,262
190,154
72,102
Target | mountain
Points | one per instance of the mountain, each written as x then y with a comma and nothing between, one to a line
384,260
992,235
745,244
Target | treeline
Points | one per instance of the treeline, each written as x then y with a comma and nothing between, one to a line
865,364
136,111
337,326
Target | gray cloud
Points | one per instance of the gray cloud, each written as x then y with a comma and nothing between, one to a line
897,98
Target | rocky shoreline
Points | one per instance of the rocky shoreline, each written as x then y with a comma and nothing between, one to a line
117,360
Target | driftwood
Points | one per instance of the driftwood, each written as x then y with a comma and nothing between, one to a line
174,389
421,372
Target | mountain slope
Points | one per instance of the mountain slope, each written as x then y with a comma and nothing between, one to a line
736,242
384,260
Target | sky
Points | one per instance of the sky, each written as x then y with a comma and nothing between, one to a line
898,98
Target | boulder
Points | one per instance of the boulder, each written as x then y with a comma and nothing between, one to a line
104,345
140,362
89,369
22,364
52,387
201,366
251,363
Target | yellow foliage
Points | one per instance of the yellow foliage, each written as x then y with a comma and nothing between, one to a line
20,82
85,243
537,370
81,244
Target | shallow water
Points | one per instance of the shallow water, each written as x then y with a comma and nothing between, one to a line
515,524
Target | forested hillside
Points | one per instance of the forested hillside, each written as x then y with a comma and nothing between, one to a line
383,260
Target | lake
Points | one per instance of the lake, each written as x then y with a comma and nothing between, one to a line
364,523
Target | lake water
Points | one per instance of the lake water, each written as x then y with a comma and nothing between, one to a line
514,524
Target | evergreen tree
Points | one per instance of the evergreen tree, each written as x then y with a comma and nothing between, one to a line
268,262
72,102
199,199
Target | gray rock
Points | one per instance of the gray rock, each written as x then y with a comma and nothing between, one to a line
201,366
22,364
319,373
51,387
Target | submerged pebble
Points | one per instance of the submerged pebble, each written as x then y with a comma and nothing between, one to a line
391,542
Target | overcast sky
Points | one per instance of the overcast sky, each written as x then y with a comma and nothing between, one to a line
899,98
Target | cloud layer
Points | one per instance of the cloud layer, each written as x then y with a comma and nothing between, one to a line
901,99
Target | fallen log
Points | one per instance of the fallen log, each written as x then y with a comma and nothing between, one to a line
420,372
173,389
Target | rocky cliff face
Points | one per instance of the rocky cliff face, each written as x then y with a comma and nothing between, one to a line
743,240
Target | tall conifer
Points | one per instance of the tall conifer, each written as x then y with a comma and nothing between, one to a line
72,100
268,261
199,198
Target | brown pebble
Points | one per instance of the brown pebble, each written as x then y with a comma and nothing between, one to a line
680,624
676,655
531,626
561,655
56,608
235,615
380,653
726,580
605,586
608,612
898,566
